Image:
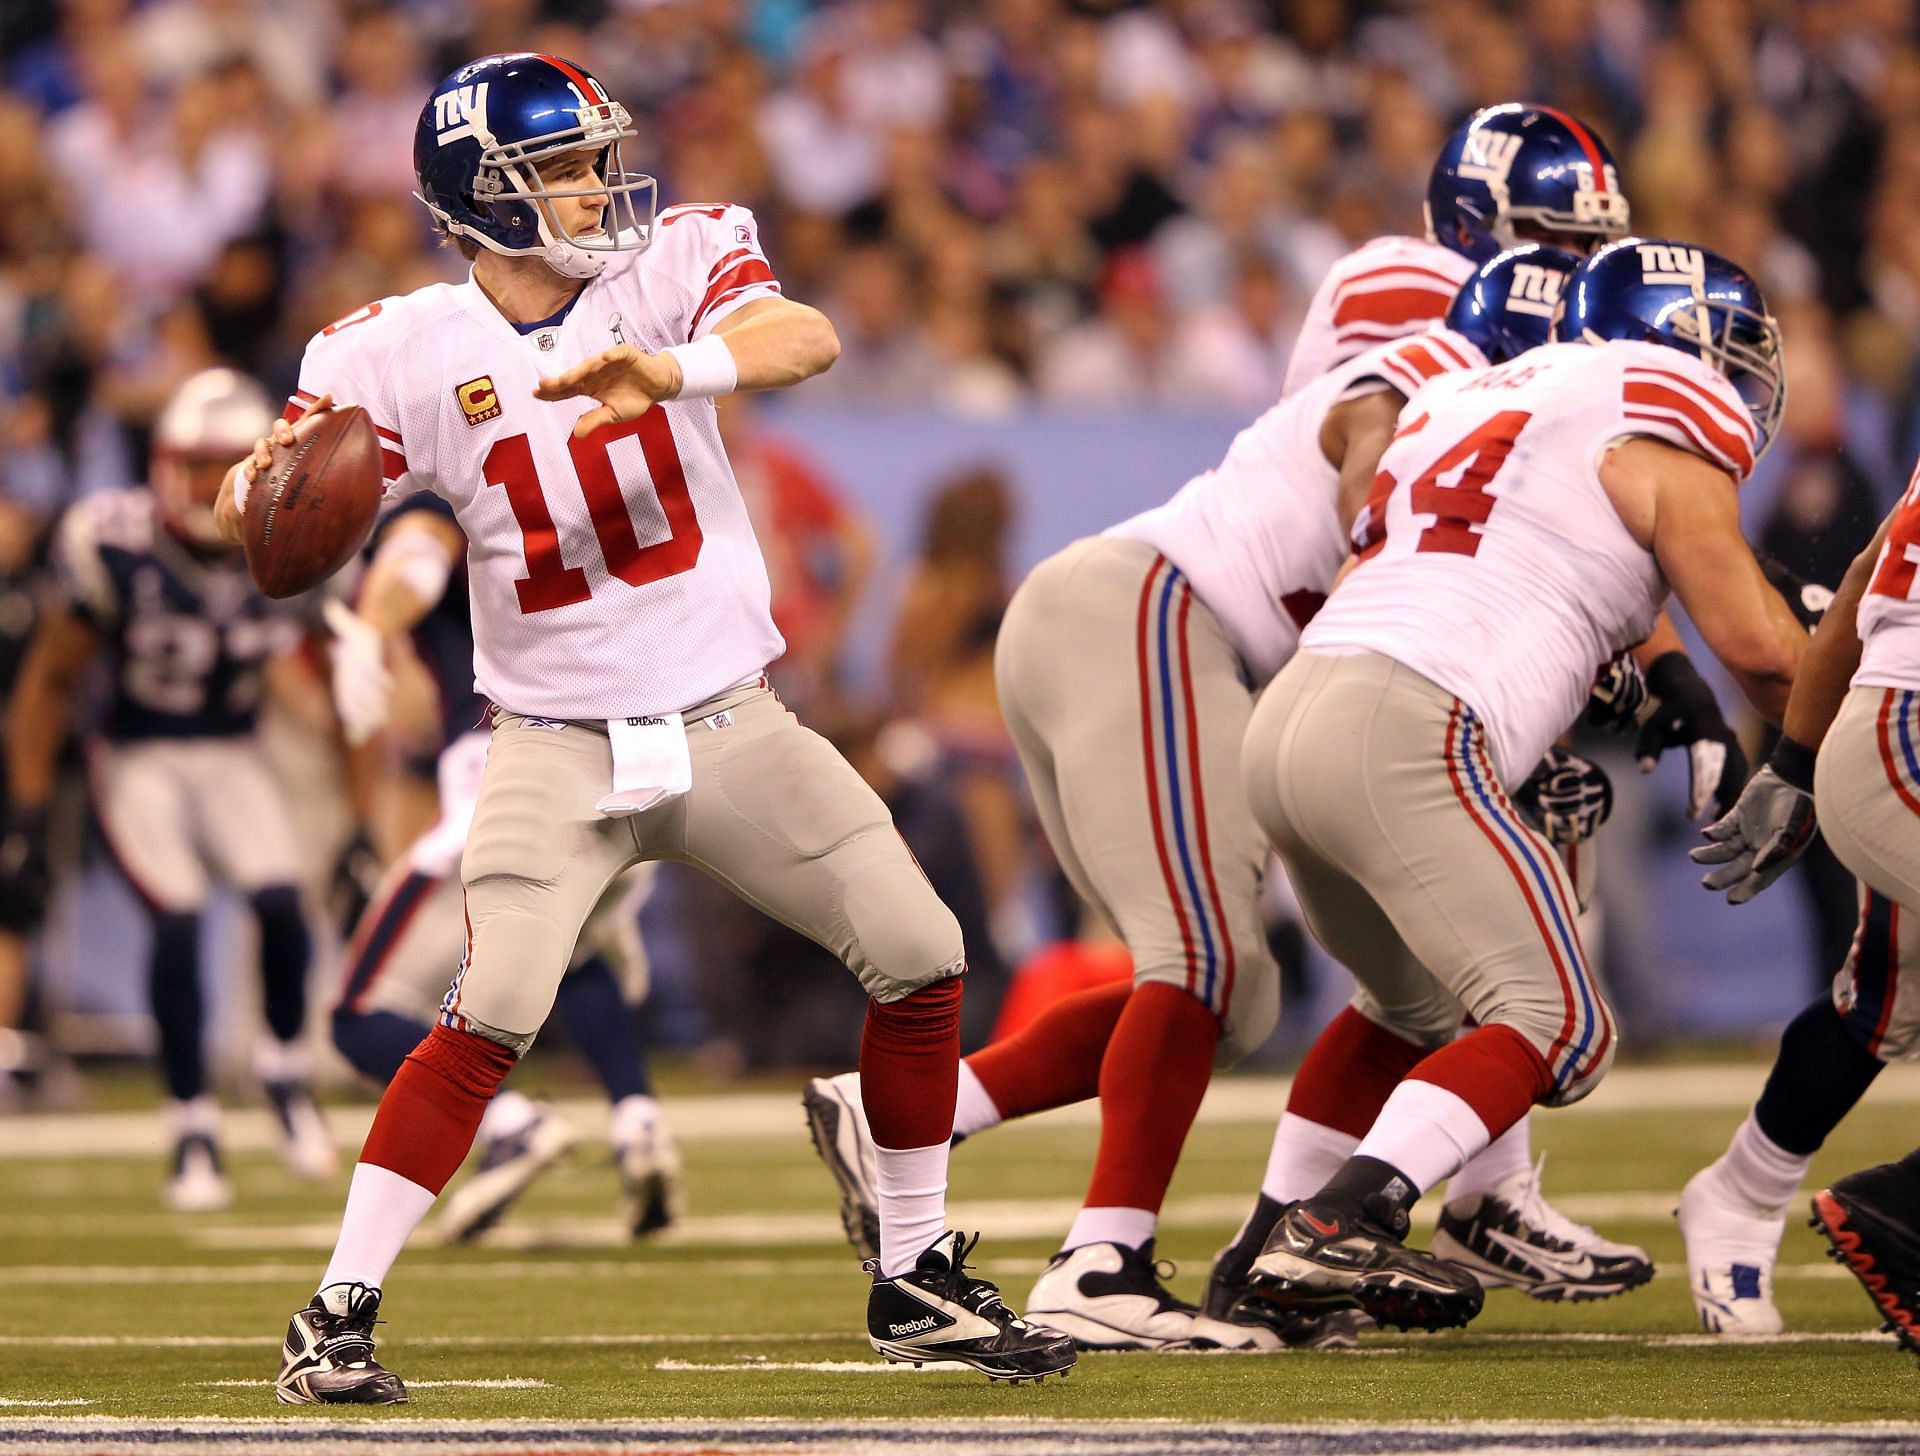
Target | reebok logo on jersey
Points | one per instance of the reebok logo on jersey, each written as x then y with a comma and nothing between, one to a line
479,400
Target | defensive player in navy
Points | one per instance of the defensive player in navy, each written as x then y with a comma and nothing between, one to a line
622,631
180,788
415,587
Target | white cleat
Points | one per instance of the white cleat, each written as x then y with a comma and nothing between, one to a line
650,1166
1109,1297
1511,1237
197,1184
508,1163
837,1118
305,1144
1731,1249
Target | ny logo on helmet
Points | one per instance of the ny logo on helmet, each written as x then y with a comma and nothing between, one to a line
1671,263
1535,291
456,111
1489,157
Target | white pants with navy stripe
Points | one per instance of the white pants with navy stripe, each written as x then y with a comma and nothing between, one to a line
1414,869
1867,791
1127,705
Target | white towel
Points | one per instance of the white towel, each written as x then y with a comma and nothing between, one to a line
650,763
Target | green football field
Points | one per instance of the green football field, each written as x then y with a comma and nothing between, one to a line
743,1324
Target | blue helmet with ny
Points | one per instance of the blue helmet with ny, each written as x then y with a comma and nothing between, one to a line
478,150
1688,298
1509,305
1517,172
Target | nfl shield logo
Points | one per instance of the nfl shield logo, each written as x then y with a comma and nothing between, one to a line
546,339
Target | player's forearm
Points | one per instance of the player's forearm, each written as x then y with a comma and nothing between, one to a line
779,347
36,722
1832,657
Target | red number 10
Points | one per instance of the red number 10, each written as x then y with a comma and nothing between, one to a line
549,581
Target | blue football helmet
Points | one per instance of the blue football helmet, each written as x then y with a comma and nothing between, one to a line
1519,164
1509,305
1689,299
477,149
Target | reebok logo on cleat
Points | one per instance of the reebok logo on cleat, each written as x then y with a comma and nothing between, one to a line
913,1327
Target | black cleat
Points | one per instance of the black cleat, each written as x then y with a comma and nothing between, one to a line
328,1358
1511,1236
1327,1253
1230,1297
1868,1221
936,1311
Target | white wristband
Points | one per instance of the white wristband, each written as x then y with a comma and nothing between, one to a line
706,368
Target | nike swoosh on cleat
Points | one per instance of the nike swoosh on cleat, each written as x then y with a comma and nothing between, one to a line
1567,1265
1325,1230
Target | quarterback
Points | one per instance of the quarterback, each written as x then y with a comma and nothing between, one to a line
621,630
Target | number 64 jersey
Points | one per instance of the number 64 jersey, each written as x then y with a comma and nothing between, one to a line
1492,561
614,575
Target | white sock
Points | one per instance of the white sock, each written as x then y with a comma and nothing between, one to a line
1131,1227
281,1061
506,1115
632,1116
1761,1172
912,1187
1426,1132
383,1209
973,1110
198,1115
1510,1153
1305,1154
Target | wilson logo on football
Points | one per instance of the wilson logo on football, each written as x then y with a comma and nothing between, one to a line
479,401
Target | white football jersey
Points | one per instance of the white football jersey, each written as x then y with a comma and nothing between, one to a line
1494,562
1381,291
1259,535
1889,620
612,576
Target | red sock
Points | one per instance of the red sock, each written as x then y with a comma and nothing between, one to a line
1156,1071
1349,1071
426,1121
1055,1059
910,1066
1494,1070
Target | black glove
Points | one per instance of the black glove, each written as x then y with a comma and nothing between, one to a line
1686,715
26,879
1808,601
1619,693
356,875
1567,797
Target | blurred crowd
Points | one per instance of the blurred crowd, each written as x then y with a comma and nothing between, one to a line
999,203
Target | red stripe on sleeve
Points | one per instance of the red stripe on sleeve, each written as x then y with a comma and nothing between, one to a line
393,464
749,273
1726,444
1390,306
1737,418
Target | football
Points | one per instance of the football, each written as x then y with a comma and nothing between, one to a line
307,515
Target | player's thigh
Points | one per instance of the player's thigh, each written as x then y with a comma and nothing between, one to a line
1128,683
407,946
1387,777
242,820
778,816
537,859
1867,791
613,931
143,802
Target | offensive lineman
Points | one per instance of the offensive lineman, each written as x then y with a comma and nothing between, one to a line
622,630
180,789
396,969
1531,518
1853,705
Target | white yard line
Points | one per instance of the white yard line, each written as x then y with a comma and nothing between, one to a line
744,1116
12,1403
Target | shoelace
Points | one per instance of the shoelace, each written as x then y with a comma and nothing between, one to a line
1543,1215
978,1295
343,1332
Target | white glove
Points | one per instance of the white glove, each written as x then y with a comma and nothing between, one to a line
362,686
1768,828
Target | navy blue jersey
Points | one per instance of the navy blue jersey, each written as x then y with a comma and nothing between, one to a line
443,639
190,634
